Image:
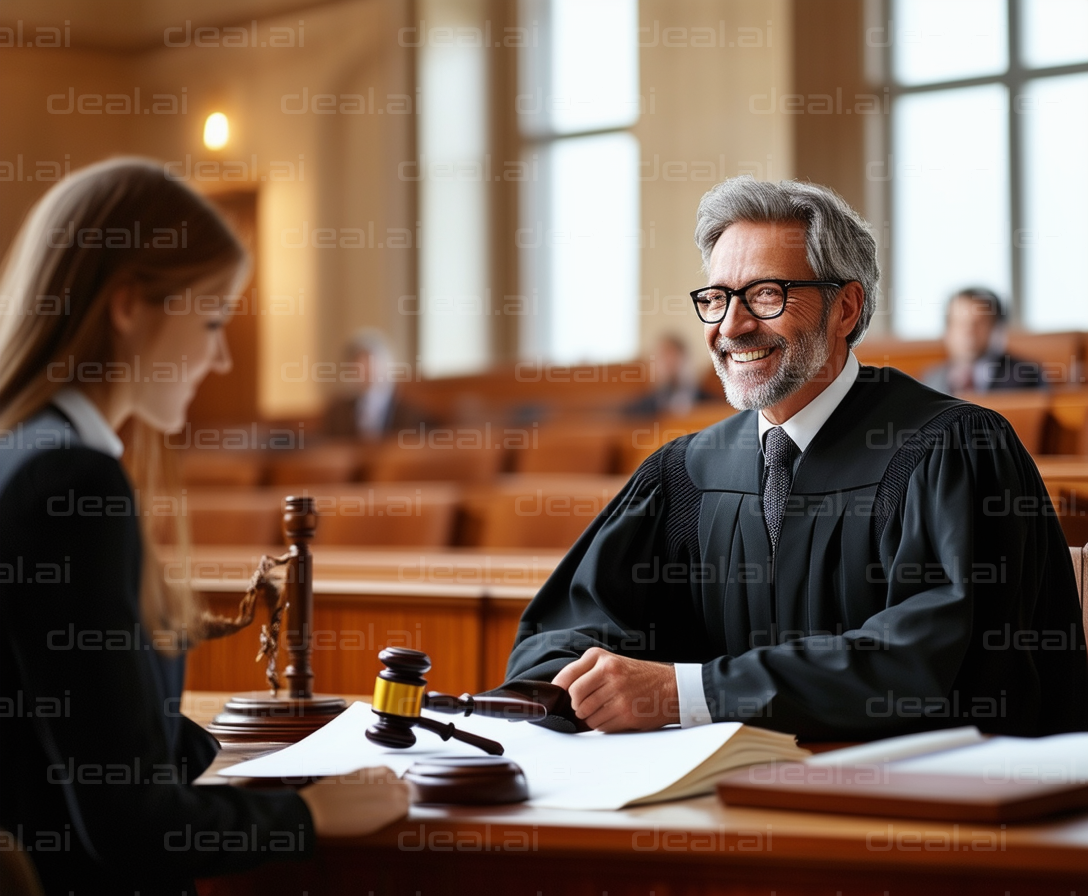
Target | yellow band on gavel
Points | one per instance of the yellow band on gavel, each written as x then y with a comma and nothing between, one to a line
397,699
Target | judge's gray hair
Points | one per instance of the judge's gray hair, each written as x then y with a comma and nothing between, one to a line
838,242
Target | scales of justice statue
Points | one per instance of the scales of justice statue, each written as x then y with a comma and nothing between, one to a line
399,695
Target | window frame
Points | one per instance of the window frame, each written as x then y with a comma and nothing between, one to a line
538,144
1015,79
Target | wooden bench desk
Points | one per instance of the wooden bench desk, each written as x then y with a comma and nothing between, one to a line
682,848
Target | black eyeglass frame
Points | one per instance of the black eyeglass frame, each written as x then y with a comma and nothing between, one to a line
786,286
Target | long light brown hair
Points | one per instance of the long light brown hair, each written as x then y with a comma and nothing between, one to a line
121,223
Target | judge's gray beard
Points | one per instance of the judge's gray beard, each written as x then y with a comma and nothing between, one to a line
800,361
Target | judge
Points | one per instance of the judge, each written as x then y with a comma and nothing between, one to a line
854,556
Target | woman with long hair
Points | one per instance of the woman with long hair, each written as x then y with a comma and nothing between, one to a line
114,298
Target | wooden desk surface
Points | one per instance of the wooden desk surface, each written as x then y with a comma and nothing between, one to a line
695,846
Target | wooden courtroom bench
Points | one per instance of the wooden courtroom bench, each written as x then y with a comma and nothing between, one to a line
221,467
582,446
421,514
534,510
1026,411
324,463
527,390
643,438
443,454
1080,568
1068,423
1061,355
913,356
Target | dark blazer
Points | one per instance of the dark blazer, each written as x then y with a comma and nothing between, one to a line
97,759
1006,372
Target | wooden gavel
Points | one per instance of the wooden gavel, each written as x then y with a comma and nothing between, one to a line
399,699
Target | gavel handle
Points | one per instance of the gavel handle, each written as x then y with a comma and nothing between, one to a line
510,708
447,731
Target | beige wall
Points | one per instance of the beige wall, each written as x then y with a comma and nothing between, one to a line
841,119
344,184
39,145
708,70
312,171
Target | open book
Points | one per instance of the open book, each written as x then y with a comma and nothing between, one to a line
955,775
568,771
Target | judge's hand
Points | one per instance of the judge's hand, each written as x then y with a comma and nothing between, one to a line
616,693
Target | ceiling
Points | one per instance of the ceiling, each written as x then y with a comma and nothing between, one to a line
134,25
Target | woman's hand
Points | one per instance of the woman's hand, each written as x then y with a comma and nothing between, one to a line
356,804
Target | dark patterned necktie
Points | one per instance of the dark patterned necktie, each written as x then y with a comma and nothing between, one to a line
778,450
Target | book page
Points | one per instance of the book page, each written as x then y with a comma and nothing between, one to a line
902,747
1060,758
570,771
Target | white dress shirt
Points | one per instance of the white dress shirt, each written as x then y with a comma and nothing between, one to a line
88,422
802,428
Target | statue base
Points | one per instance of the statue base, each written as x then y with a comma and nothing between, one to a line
258,716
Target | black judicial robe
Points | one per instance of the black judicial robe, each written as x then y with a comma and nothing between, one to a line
922,579
96,759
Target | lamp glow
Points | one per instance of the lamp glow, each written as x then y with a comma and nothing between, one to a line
216,131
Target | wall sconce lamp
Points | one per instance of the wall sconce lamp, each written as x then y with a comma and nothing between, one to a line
216,131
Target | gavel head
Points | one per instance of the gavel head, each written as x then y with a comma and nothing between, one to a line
398,696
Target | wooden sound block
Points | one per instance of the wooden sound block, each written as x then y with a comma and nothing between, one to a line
467,780
258,716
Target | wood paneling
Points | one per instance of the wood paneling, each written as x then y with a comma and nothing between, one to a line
349,632
828,72
500,628
232,397
461,607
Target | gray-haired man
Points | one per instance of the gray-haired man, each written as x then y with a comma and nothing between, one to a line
854,556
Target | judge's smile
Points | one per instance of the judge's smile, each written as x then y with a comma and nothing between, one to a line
751,355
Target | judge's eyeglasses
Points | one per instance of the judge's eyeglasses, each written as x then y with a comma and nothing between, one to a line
764,299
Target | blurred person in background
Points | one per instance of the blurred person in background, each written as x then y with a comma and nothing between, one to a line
374,408
975,341
96,338
676,388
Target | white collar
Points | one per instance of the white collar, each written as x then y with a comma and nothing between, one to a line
803,426
88,421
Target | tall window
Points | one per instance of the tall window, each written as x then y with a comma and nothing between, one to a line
989,146
578,94
454,323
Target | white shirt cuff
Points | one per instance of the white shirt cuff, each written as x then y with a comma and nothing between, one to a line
689,688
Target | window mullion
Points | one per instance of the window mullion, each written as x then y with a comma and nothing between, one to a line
1015,82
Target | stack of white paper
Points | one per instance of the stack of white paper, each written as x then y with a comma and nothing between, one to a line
569,771
1060,758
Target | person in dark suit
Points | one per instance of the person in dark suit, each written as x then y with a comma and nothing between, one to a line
98,761
375,407
977,360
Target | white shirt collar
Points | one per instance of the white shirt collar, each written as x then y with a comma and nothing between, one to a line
88,421
803,426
